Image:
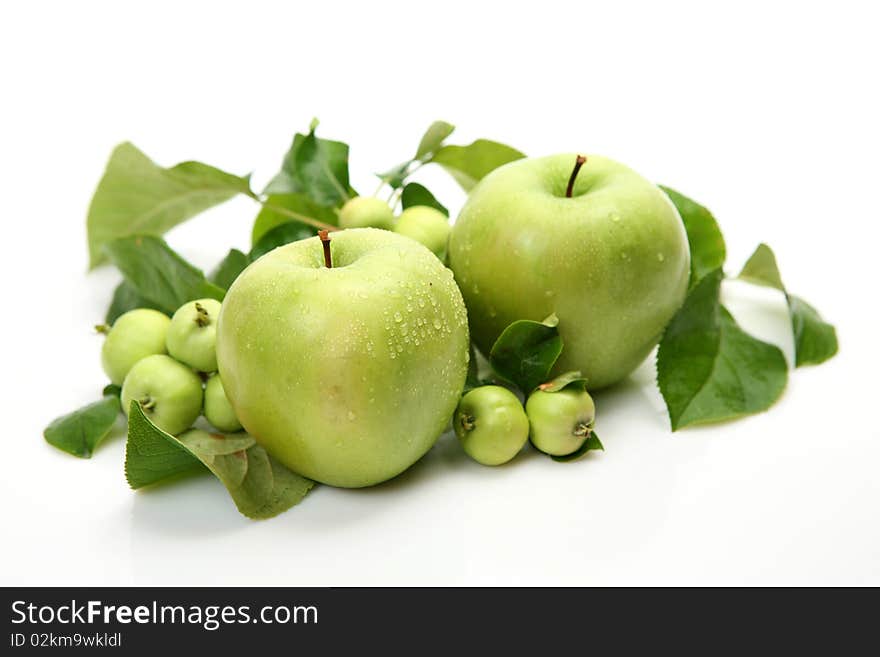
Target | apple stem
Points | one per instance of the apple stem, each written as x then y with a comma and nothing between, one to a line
102,328
578,163
201,315
325,242
468,422
582,429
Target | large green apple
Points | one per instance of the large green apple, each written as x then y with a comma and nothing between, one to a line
346,374
611,261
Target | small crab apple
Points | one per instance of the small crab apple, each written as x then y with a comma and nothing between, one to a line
169,392
427,226
560,422
192,335
491,425
218,410
366,212
135,335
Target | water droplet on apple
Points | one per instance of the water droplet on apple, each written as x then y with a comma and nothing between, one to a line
398,317
661,257
437,324
615,217
351,416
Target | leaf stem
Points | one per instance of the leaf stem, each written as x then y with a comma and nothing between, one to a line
311,221
408,172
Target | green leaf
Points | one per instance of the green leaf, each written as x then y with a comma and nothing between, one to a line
292,231
469,164
112,390
315,167
229,268
416,194
126,298
591,443
260,486
708,251
79,433
815,340
136,196
526,351
281,208
430,143
158,274
151,455
761,269
433,139
563,381
396,176
709,369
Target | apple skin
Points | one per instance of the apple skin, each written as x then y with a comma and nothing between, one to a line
555,419
218,411
134,336
366,212
498,425
172,390
426,225
192,334
346,375
612,262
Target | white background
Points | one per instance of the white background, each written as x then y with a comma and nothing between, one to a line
766,112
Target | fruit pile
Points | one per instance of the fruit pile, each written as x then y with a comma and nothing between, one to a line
348,338
493,427
169,366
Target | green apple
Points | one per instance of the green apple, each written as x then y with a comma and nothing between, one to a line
491,425
192,335
426,225
169,392
135,335
346,374
611,261
218,410
366,212
560,421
